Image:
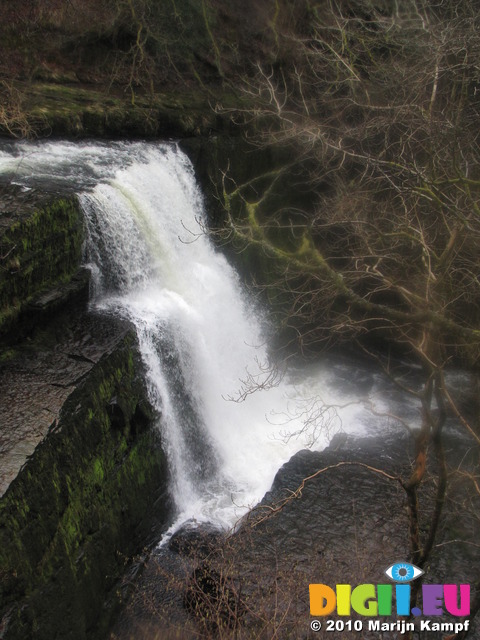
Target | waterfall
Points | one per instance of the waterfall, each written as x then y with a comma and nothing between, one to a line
200,337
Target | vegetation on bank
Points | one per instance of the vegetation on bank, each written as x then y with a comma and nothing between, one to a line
380,101
126,67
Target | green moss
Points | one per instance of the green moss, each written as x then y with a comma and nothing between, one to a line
68,110
70,515
98,473
44,249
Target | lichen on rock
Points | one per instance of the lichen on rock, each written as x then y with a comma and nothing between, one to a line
72,514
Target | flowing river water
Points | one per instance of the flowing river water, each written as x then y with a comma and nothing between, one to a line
202,340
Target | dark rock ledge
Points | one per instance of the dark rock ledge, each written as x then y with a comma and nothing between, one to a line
82,471
346,526
73,512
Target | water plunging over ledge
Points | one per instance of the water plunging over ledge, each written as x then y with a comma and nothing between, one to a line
199,335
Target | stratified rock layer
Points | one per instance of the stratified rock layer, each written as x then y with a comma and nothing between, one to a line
333,517
82,472
41,241
72,513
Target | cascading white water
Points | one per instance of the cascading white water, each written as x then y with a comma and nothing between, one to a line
199,337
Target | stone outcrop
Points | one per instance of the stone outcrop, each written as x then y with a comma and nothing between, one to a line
41,240
72,514
346,525
82,471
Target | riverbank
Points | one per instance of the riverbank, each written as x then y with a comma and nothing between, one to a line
347,525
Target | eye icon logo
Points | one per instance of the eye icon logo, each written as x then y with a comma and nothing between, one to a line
403,572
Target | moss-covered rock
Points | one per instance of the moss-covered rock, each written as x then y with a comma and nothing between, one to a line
79,112
73,512
40,249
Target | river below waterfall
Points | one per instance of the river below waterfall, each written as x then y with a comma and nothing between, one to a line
203,341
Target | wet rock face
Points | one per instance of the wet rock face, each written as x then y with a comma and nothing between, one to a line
195,540
342,526
344,501
76,508
82,471
346,525
40,254
333,518
37,376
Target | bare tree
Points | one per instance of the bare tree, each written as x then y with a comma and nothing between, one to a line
380,101
15,120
